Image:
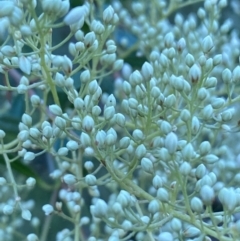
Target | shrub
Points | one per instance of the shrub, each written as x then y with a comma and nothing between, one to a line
134,128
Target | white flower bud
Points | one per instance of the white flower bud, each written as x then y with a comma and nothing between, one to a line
97,27
75,15
110,139
157,182
127,225
2,134
185,115
140,151
85,139
147,165
217,103
195,73
195,125
227,115
108,15
8,51
32,237
22,89
29,156
24,64
47,209
27,120
171,142
99,210
88,123
67,65
90,179
165,236
6,8
207,44
181,44
124,142
191,232
147,71
127,88
154,207
2,181
210,159
72,145
207,112
202,94
188,152
69,179
96,110
109,113
120,119
56,110
89,39
47,132
176,224
217,59
100,138
155,92
165,127
63,151
124,198
118,65
88,165
8,209
207,194
170,101
126,70
26,214
31,182
236,75
162,194
210,82
117,208
185,168
200,171
138,135
135,78
196,205
23,135
60,123
227,76
85,76
189,60
34,132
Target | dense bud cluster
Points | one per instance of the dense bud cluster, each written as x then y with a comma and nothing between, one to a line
129,151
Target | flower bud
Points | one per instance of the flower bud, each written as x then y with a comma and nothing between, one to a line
196,205
195,73
162,194
75,15
140,151
88,123
147,71
90,180
72,145
48,209
154,207
108,15
171,142
147,165
31,182
69,179
207,44
207,194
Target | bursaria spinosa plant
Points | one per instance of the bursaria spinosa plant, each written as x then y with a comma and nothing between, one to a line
126,128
